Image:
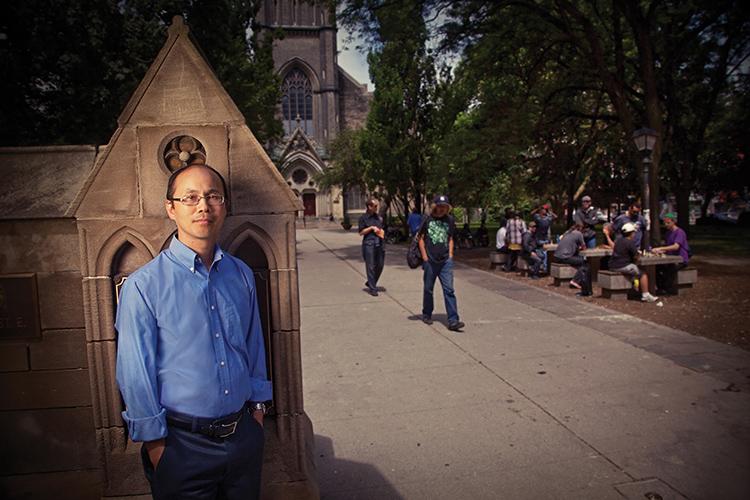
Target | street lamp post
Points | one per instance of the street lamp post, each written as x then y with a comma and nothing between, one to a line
645,139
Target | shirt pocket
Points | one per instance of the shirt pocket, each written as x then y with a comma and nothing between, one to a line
235,315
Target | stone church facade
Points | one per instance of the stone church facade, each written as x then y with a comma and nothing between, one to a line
319,99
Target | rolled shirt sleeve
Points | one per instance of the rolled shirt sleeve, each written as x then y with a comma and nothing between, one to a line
136,365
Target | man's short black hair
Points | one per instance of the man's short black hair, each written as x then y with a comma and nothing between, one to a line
173,178
635,204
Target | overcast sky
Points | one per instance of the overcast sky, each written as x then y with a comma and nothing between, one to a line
353,62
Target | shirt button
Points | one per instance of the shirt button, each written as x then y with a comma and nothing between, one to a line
222,363
216,335
212,308
226,391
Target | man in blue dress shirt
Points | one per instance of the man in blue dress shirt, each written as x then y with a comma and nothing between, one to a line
191,360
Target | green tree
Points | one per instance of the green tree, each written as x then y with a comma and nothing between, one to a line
347,167
70,66
396,138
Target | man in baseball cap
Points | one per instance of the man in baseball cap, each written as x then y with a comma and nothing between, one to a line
625,258
543,217
436,243
588,217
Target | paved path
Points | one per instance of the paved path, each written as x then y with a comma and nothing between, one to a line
542,396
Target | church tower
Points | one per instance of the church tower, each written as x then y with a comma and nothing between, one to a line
318,99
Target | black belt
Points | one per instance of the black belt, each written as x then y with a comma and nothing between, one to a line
221,427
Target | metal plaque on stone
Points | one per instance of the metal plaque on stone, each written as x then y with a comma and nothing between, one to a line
19,307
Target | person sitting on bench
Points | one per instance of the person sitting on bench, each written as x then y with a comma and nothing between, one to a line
625,257
569,252
530,251
676,244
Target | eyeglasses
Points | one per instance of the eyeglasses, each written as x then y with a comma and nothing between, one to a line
193,199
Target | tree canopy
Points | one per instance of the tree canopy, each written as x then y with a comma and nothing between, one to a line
70,66
544,96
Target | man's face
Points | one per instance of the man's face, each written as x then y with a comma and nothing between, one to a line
440,210
669,223
532,229
202,222
634,212
543,211
372,207
586,204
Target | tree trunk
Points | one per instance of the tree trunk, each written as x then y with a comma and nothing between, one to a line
685,182
683,207
570,200
707,197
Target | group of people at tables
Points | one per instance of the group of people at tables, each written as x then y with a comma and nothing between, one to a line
624,236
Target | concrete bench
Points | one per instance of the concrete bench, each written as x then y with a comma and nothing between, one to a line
497,259
614,285
522,266
561,272
686,278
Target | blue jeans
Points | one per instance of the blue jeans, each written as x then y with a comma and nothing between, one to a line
444,272
543,254
591,243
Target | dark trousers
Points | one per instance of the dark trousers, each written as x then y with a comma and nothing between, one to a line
535,263
374,256
510,262
583,273
666,277
195,466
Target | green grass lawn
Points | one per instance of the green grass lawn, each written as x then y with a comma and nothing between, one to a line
720,240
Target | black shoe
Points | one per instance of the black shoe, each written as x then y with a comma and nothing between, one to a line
427,320
584,294
535,277
372,292
454,327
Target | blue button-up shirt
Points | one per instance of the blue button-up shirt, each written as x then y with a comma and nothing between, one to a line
189,340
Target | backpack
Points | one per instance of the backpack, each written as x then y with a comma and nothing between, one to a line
413,255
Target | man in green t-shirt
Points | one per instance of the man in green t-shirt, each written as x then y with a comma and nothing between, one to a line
436,240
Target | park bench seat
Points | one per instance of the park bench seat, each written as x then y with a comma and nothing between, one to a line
497,259
522,266
561,272
614,285
686,278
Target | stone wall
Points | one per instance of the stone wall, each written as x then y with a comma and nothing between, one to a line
47,438
354,102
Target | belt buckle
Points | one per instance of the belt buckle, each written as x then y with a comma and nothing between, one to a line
232,426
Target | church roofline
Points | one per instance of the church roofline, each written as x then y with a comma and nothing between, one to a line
351,78
298,28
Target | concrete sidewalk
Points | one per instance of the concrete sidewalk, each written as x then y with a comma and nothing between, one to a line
541,397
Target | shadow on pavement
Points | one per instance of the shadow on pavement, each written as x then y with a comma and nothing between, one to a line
346,479
441,319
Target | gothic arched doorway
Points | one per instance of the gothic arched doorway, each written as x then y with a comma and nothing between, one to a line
253,255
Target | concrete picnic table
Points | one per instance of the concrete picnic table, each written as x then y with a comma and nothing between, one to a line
594,257
649,262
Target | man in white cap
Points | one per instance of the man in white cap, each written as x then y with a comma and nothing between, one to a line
436,241
625,257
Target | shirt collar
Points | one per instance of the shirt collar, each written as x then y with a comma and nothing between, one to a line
187,257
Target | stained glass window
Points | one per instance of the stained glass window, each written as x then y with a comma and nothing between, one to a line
296,102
